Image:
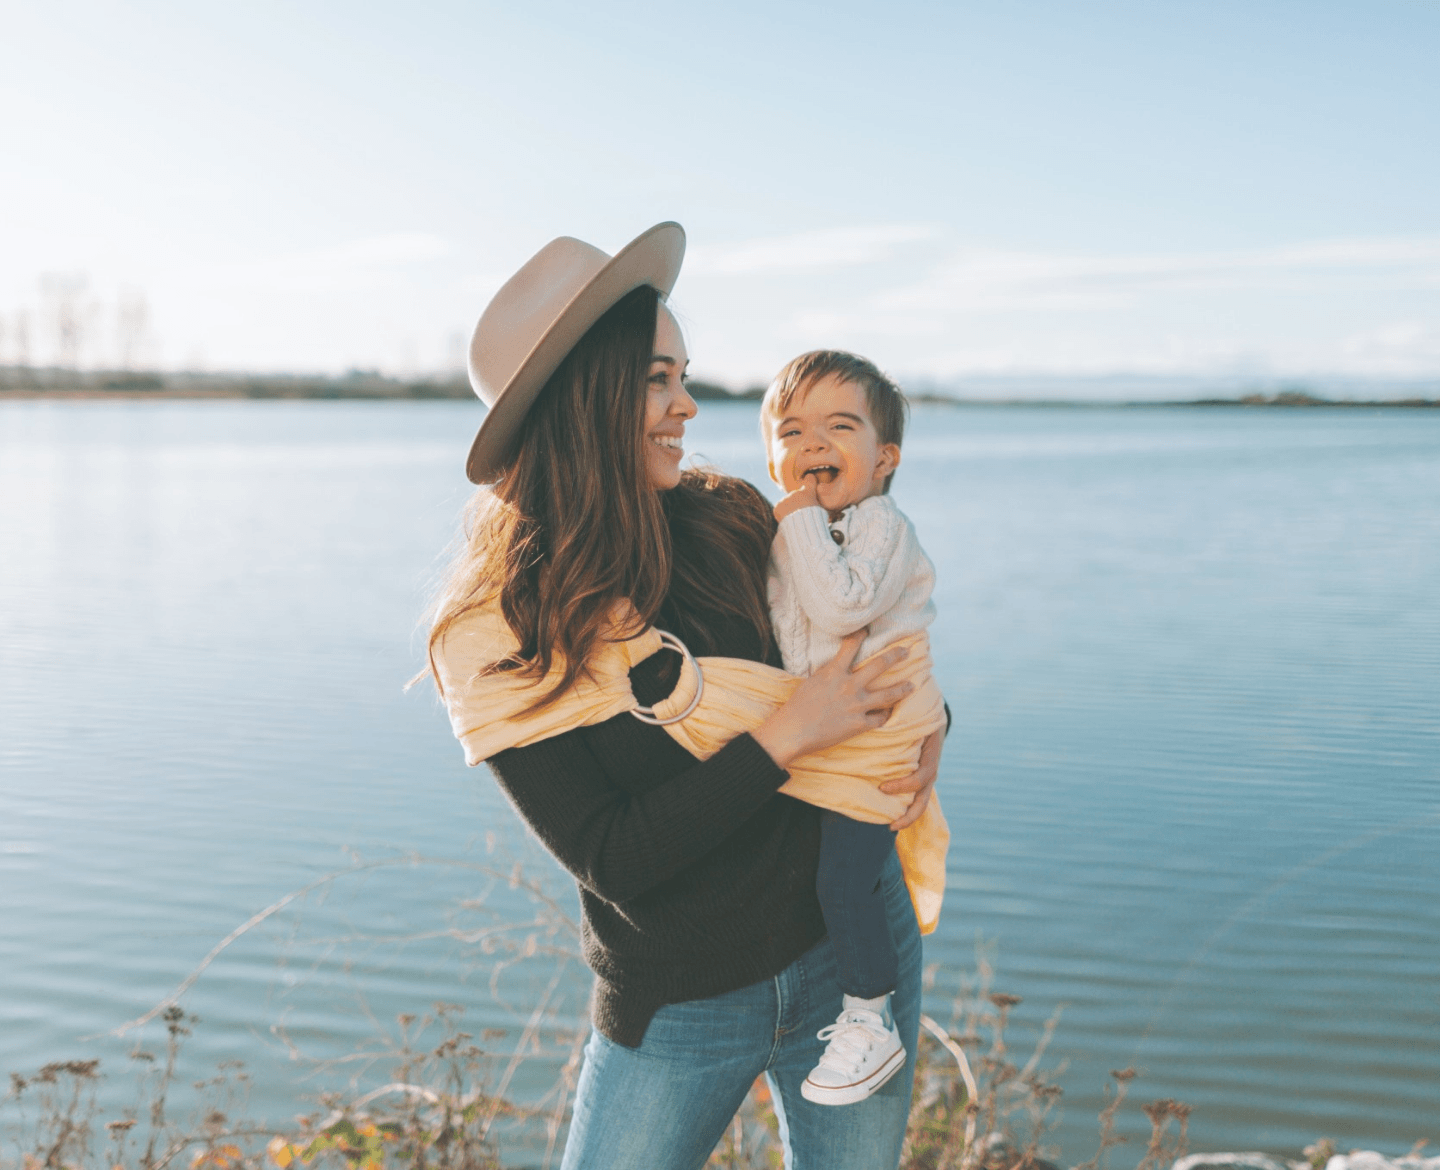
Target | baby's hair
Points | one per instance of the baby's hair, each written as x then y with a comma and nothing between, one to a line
883,398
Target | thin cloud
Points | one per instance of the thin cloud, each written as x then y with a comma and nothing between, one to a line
993,310
1398,347
348,260
976,279
399,248
806,251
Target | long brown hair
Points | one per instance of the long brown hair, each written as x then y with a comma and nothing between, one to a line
572,525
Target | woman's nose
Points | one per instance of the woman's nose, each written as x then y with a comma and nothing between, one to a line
682,404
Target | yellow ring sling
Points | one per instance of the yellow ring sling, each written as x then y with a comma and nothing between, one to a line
724,697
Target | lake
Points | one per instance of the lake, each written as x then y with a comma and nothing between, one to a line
1193,657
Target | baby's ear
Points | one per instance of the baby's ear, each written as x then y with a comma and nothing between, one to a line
770,467
888,460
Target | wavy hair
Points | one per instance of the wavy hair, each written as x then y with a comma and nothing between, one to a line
572,525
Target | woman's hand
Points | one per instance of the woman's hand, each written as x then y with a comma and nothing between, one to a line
833,704
921,781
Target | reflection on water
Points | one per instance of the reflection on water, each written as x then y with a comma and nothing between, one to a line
1192,656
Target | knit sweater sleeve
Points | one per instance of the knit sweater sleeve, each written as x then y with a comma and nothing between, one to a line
843,588
618,842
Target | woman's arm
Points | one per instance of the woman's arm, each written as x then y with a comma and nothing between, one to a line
618,843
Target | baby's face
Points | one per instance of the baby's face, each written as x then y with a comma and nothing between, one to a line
826,436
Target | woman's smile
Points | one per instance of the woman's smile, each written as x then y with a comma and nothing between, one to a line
668,404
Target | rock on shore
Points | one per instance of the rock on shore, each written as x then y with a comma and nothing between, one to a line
1355,1160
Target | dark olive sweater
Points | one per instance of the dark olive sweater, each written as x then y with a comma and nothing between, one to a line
696,878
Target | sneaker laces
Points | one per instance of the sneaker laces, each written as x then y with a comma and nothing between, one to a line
849,1038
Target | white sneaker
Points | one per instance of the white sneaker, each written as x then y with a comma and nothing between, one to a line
861,1054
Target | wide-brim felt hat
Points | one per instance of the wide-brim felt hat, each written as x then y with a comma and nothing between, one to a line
537,317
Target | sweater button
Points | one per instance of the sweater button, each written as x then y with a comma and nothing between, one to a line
837,536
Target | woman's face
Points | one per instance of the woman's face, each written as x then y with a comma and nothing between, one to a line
668,404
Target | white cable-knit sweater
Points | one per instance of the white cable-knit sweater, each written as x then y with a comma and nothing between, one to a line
821,589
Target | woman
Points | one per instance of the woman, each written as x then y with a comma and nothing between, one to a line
696,878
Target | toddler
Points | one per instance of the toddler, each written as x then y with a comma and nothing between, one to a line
845,558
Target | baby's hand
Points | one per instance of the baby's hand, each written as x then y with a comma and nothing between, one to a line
807,495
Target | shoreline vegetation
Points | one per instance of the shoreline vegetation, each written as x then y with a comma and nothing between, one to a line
18,383
447,1099
446,1107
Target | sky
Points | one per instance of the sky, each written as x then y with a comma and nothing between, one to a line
1247,188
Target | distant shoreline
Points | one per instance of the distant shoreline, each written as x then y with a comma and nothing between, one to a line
65,385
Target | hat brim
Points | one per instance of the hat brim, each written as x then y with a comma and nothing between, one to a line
652,258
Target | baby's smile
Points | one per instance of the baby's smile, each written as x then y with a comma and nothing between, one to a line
822,444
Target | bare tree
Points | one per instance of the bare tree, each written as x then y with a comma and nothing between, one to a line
69,315
455,353
132,320
21,345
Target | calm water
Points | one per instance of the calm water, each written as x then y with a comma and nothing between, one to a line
1194,778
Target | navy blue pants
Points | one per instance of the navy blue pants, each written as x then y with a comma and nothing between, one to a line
852,856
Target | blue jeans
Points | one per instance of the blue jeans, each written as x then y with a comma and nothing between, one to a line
665,1105
847,882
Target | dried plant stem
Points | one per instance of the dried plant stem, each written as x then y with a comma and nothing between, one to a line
532,1025
1046,1035
1108,1137
972,1091
397,1087
568,1077
275,907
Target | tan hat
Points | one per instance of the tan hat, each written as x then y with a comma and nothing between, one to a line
537,317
